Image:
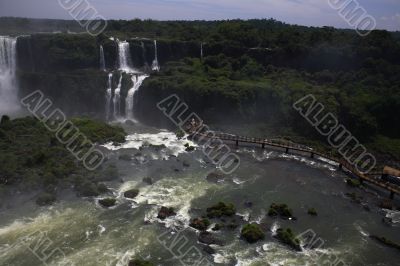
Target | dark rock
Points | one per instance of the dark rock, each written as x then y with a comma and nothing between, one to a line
252,233
165,213
107,202
209,239
139,262
386,242
248,204
209,250
131,194
200,224
214,177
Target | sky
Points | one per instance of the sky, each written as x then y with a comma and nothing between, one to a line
301,12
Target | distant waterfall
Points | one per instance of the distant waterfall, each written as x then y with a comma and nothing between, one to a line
124,57
117,99
201,51
102,60
137,82
8,82
109,96
155,66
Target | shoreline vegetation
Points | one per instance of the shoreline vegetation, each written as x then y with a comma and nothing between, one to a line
33,158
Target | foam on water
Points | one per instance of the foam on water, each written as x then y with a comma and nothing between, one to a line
174,145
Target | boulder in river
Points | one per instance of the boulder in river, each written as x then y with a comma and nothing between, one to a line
286,236
281,210
252,233
107,202
131,194
200,223
209,239
165,212
221,209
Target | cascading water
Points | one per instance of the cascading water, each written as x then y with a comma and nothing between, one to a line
117,99
130,98
102,59
124,57
201,51
8,83
155,66
109,96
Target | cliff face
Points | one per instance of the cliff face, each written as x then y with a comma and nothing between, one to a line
66,67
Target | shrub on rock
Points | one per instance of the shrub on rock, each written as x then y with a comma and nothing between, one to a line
287,237
165,212
131,194
200,224
107,202
281,210
221,209
252,233
312,212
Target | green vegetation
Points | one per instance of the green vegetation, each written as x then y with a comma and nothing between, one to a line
287,237
280,210
200,224
108,202
221,209
32,157
312,212
252,233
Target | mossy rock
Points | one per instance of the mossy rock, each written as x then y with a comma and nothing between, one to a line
287,237
107,202
46,199
312,212
281,210
200,223
252,233
353,182
131,194
221,209
139,262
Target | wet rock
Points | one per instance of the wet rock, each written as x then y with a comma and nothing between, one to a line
248,204
107,202
165,212
252,233
215,177
385,242
139,262
209,250
131,194
209,239
200,224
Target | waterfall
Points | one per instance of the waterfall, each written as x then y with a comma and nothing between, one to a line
201,51
124,57
102,60
155,66
130,98
117,99
108,96
8,82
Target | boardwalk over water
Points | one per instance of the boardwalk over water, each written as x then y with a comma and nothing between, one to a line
287,147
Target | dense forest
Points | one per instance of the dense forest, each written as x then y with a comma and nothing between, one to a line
252,71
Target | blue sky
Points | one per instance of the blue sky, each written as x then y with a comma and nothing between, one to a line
303,12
